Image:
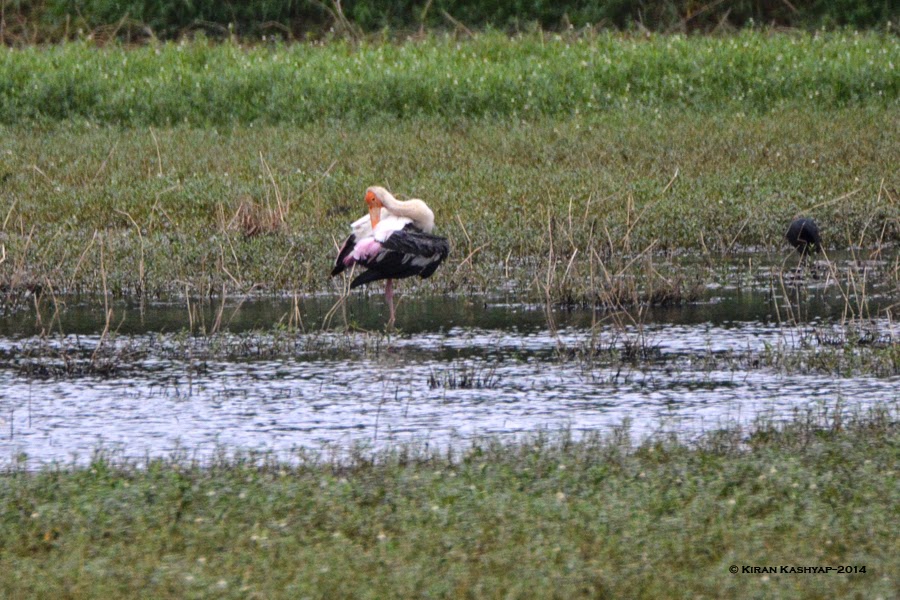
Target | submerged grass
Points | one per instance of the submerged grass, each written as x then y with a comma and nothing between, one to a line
846,360
54,355
464,376
610,343
547,517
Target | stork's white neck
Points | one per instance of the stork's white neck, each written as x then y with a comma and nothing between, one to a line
414,210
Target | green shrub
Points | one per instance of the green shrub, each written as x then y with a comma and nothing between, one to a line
489,75
33,20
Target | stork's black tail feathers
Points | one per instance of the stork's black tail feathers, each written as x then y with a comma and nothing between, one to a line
346,249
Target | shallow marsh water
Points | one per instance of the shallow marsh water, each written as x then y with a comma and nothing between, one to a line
456,369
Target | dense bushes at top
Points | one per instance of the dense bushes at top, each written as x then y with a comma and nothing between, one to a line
489,75
49,20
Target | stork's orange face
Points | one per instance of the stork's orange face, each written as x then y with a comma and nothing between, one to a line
374,205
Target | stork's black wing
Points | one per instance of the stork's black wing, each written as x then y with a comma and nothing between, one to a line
411,241
405,253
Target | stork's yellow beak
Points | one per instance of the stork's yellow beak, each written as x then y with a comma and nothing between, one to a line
374,208
374,215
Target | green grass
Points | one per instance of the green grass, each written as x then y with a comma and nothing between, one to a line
209,168
489,75
197,167
546,517
170,196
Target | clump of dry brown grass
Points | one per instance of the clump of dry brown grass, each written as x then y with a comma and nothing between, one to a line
252,218
266,217
672,292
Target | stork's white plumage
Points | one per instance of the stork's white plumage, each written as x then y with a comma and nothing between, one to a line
393,242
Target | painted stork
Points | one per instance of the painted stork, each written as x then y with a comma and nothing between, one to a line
803,234
393,241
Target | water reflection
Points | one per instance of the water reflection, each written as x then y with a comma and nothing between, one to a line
293,389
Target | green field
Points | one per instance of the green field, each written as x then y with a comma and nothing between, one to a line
261,207
543,518
191,167
563,168
488,76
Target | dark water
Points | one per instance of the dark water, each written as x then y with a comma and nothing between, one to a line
457,369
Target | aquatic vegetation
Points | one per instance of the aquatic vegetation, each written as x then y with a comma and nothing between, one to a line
464,376
839,351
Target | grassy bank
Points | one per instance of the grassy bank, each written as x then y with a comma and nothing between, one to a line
490,75
546,517
260,208
200,168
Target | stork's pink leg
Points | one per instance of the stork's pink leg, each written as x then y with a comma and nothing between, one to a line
389,296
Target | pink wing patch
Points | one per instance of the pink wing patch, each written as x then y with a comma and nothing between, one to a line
364,250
